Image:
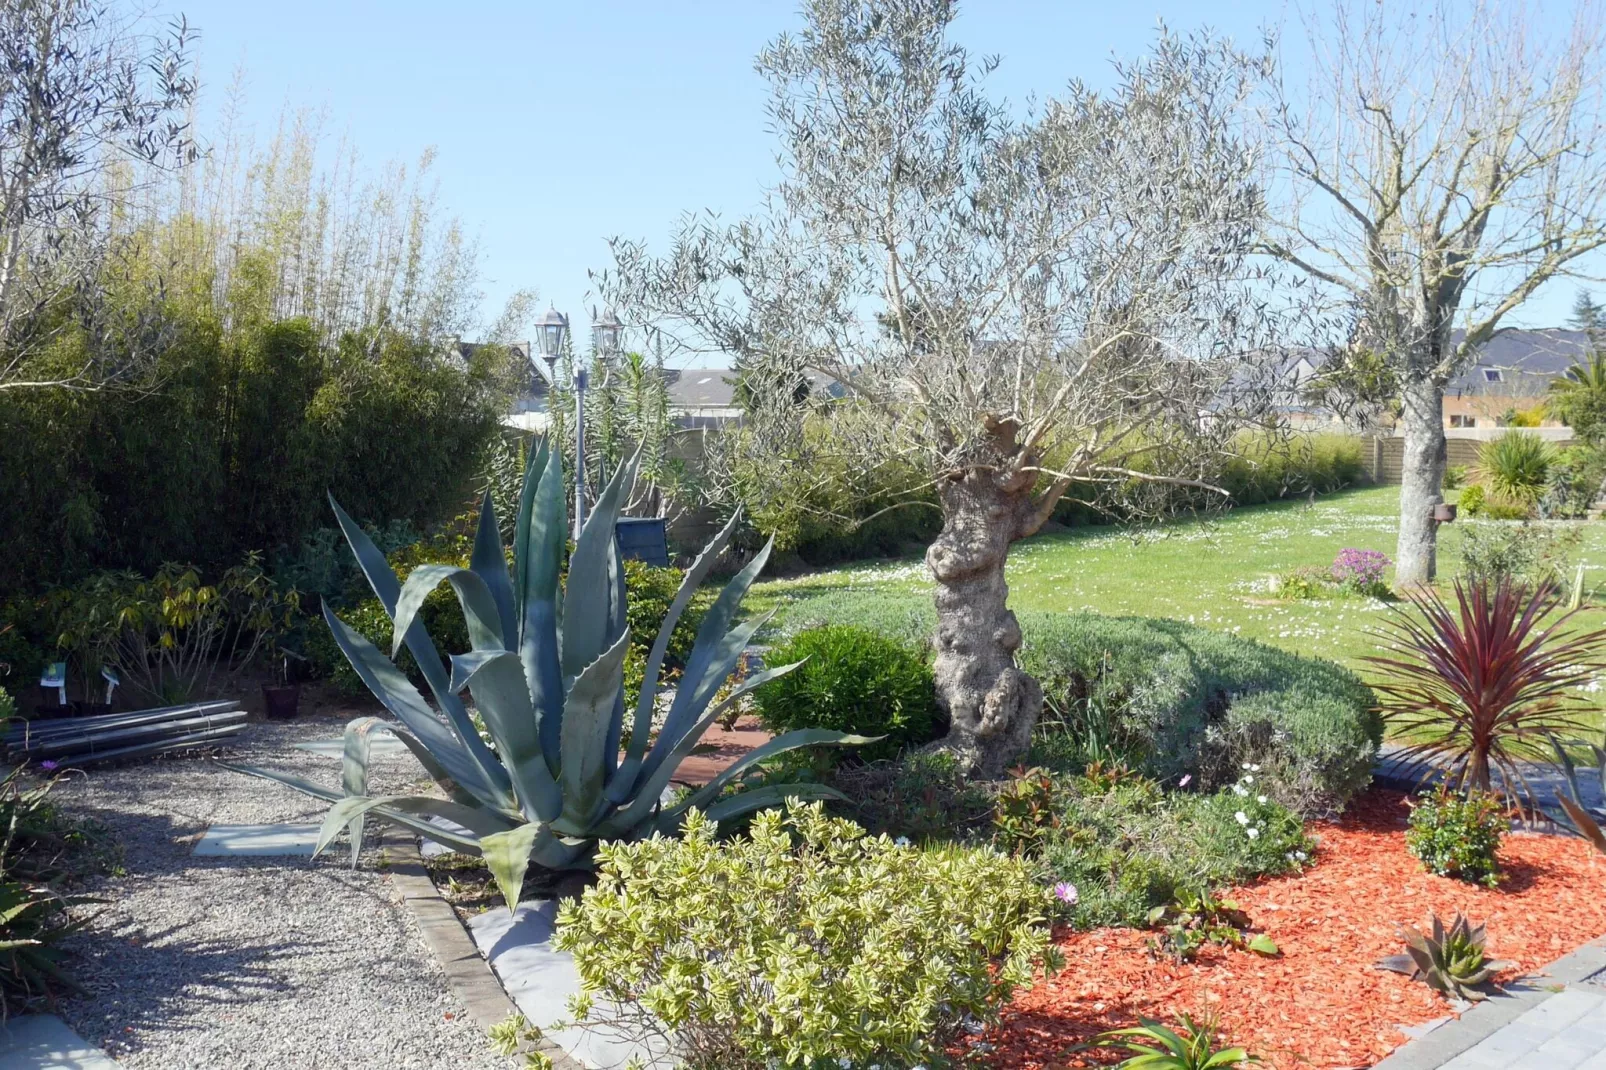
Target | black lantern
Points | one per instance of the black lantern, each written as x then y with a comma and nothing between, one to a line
606,332
552,329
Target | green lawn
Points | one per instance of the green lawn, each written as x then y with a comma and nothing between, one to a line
1215,573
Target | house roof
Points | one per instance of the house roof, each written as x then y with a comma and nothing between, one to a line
1529,359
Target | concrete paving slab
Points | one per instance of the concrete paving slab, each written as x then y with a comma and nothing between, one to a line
43,1042
244,840
380,744
540,979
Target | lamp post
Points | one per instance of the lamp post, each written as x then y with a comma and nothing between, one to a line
554,329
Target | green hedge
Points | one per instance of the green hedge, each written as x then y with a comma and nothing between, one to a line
1186,700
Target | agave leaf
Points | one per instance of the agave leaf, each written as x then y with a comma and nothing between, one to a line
803,737
1400,964
496,679
1565,760
1586,825
623,784
479,606
403,700
507,855
712,632
318,791
586,717
534,469
540,558
587,621
696,690
477,820
490,565
644,792
1227,1057
761,798
690,582
388,589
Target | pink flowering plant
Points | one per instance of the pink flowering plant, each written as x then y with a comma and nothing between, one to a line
1360,571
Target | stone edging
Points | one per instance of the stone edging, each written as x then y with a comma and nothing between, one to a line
1485,1019
471,978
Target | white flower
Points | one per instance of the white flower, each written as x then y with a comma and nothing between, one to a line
1261,799
1254,768
1253,833
1300,855
1246,765
901,841
1249,780
845,1063
1241,817
1240,791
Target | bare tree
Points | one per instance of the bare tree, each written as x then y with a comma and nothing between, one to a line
1014,305
1441,164
88,99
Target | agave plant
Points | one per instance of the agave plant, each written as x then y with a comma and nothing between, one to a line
1575,813
1451,961
546,677
1484,686
1515,467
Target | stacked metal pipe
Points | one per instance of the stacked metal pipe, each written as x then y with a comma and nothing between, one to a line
80,741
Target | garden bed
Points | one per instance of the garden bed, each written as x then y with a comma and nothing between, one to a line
1320,1003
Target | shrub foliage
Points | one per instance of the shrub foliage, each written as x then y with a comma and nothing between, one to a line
1456,835
807,943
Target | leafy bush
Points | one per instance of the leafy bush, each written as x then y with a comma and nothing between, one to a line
1305,582
923,796
8,708
855,681
1027,811
1527,553
1192,700
1486,685
1471,501
1456,835
167,636
1267,468
649,593
1455,476
1129,847
807,943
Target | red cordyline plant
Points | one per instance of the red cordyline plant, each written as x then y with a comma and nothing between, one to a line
1481,687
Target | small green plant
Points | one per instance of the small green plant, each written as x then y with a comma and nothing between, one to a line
754,952
515,1032
1027,810
1471,501
1189,1046
1196,919
1450,961
1455,476
1305,583
853,680
1455,835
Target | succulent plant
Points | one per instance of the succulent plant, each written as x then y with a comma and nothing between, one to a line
546,674
1451,961
1189,1045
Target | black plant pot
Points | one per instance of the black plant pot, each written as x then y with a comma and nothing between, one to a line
282,701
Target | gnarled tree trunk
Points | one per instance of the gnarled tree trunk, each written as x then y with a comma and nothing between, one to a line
1421,479
992,705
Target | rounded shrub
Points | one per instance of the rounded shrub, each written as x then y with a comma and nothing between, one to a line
1458,836
1191,701
851,680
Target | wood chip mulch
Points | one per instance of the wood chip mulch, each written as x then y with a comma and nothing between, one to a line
1321,1003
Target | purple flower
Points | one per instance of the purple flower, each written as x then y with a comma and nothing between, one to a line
1065,892
1360,569
1185,781
48,765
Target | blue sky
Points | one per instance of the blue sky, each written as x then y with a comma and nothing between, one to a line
558,124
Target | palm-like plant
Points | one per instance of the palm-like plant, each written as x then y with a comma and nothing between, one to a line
1484,686
1515,467
546,674
1578,399
1189,1046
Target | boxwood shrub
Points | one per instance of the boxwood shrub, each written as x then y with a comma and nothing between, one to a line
851,680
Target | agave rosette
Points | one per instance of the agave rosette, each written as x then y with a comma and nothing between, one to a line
546,675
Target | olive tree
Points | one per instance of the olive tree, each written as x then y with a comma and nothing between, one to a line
1007,305
1438,166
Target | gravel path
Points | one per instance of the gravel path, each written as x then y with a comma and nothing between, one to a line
254,962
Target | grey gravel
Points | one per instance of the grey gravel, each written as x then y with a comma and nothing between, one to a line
254,962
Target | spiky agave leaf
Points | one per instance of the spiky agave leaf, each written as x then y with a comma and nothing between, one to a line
1451,961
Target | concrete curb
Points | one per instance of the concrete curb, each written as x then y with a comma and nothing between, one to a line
471,978
1487,1018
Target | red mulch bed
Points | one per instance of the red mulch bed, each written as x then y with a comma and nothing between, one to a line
1321,1003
